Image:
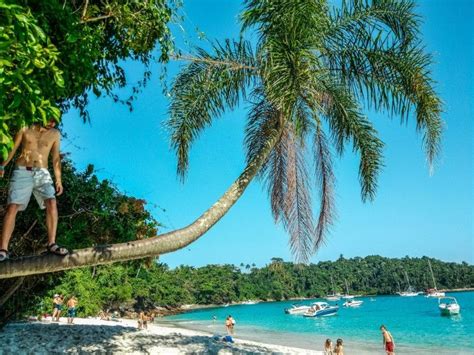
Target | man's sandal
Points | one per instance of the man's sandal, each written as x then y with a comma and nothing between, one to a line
57,249
4,255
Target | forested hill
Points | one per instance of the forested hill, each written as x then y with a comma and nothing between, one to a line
115,286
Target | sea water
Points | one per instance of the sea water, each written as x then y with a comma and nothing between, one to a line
415,323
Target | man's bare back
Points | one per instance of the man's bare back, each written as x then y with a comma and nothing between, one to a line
37,143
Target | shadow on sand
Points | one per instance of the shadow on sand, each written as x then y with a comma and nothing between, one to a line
52,338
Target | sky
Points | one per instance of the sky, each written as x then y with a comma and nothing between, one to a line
414,213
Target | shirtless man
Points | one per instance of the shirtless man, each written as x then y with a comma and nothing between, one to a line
71,309
31,175
388,342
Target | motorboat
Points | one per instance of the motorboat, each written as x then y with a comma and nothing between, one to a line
297,309
448,306
433,292
353,303
321,309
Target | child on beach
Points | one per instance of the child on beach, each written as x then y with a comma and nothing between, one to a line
339,349
328,347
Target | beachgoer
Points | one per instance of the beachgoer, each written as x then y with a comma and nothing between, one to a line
58,307
328,347
229,326
388,342
31,175
339,349
214,318
71,309
142,320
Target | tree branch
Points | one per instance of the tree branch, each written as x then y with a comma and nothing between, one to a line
84,11
98,18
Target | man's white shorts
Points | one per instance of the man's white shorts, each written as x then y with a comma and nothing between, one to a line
25,181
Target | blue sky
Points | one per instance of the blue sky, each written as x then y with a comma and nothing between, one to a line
413,214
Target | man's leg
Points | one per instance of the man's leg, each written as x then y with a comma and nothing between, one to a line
51,219
8,225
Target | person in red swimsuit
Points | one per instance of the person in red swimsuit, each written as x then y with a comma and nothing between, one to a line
388,342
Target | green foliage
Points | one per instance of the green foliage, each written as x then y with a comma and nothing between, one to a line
54,54
314,70
29,73
135,285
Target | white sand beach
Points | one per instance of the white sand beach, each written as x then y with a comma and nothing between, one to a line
119,337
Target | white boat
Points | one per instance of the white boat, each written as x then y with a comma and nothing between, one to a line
347,296
334,296
297,309
433,292
409,292
448,306
249,302
321,309
353,303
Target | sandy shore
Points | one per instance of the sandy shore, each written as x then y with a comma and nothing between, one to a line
97,336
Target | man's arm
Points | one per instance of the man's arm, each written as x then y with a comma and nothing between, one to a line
16,144
57,164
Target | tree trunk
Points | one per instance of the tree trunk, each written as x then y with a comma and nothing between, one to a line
161,244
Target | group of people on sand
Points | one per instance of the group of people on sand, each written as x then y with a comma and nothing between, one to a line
144,319
387,338
58,304
330,350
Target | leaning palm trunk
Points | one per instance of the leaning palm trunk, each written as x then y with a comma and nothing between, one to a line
155,246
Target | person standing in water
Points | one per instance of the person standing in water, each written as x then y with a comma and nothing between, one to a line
388,342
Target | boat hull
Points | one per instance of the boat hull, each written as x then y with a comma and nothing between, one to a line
299,310
332,311
353,304
449,310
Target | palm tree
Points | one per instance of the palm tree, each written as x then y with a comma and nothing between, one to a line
309,77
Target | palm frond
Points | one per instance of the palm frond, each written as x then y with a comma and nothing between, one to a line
396,19
372,47
204,89
347,123
297,209
325,182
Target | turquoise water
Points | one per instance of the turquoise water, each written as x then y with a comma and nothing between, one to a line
415,322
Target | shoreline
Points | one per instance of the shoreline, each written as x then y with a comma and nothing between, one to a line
122,336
